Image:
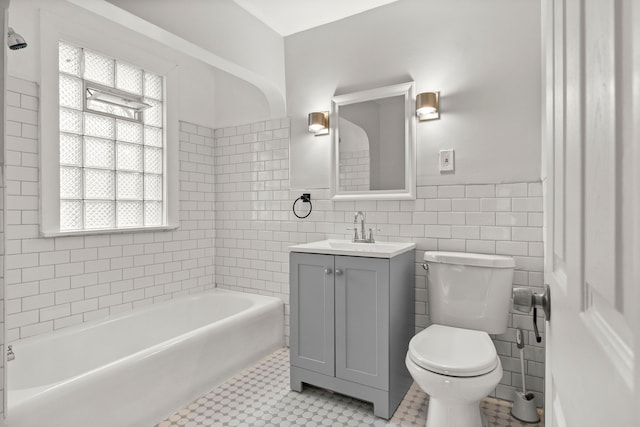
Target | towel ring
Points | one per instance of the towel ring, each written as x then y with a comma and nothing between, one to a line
306,198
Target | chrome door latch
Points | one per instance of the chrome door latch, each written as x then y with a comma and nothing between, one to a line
524,300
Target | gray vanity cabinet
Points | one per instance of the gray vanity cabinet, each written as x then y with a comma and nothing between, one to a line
312,332
362,320
351,322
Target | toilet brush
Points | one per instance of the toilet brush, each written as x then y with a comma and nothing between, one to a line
524,404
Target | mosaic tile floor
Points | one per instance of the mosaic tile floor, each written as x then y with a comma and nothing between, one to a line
260,396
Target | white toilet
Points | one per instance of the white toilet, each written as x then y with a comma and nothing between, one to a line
454,360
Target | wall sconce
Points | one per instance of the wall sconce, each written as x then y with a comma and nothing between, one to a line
428,105
319,122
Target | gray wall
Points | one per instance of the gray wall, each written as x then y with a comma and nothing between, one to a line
484,57
366,116
391,150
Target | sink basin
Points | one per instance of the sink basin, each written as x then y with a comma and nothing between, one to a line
347,247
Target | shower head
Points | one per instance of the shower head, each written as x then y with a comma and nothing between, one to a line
15,41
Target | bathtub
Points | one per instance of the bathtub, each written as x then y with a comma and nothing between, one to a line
136,368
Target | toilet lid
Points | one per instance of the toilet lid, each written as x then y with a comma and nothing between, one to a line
455,352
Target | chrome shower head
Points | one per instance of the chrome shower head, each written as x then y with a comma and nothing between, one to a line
15,41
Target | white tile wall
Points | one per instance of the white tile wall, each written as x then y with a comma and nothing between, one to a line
242,175
52,283
2,301
255,225
354,170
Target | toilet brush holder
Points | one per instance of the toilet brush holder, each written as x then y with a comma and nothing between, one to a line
524,407
524,404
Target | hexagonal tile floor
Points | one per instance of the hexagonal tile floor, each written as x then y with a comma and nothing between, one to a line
260,396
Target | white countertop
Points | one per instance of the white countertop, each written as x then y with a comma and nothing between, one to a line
347,247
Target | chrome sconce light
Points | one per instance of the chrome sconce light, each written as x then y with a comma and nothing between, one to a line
319,122
428,106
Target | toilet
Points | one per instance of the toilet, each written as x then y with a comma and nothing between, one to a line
454,360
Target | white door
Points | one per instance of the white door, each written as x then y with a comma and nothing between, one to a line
592,257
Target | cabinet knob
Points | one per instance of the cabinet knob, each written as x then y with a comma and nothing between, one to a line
338,272
327,271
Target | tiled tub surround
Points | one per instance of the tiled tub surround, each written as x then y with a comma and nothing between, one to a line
52,283
134,368
255,226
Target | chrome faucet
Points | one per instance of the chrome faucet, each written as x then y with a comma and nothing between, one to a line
360,215
362,237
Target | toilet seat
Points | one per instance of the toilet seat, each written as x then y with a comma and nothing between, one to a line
454,352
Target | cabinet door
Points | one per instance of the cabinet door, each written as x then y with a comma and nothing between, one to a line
312,307
362,320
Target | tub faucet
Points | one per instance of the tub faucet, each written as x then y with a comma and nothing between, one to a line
10,354
363,236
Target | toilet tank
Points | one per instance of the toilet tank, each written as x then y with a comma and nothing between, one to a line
471,291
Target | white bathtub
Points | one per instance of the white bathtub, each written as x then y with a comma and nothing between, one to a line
136,368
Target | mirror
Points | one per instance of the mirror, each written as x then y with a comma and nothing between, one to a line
373,142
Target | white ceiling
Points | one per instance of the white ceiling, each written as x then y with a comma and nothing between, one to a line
291,16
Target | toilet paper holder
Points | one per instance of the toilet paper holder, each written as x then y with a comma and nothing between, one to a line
525,299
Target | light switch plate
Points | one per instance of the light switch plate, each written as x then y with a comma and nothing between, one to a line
446,160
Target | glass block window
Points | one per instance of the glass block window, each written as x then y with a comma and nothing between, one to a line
112,152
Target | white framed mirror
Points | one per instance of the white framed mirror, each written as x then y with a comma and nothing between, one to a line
374,144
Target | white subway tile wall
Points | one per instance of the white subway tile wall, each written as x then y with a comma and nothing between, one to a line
57,282
2,302
241,174
255,225
354,170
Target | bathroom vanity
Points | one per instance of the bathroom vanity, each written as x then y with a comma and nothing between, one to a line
352,317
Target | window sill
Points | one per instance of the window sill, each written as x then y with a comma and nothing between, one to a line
107,231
